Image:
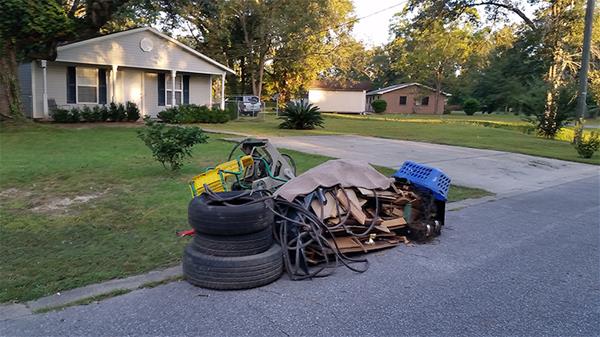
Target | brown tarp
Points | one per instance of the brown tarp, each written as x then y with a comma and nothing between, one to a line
346,173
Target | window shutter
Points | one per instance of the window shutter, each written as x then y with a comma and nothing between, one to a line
71,85
161,89
102,86
186,89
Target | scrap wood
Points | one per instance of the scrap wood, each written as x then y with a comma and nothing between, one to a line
394,223
348,244
349,201
328,209
381,194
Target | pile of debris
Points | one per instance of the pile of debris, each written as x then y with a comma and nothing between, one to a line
325,217
320,224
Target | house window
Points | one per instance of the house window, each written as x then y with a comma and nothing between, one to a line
87,85
178,89
425,100
402,100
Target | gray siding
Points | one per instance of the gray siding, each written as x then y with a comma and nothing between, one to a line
124,50
151,107
25,85
38,90
200,90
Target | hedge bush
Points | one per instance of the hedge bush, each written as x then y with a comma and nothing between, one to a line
471,106
113,113
170,145
379,105
191,113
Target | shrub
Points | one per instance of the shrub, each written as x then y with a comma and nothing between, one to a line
116,112
301,116
74,115
132,112
169,115
104,113
87,114
545,126
471,106
586,145
60,115
379,105
191,113
170,144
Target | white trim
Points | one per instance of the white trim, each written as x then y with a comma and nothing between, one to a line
150,29
173,90
113,83
210,91
33,98
44,65
402,86
133,67
222,91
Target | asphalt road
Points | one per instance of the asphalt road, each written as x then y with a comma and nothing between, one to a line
527,265
499,172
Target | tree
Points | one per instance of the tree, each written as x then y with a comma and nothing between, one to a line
558,24
431,54
286,41
33,29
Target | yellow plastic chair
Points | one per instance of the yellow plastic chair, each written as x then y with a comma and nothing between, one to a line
216,178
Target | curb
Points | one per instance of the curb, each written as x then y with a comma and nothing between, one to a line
233,133
13,311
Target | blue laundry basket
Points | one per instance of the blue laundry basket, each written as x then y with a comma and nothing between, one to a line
426,177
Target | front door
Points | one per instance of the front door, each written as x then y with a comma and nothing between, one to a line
133,87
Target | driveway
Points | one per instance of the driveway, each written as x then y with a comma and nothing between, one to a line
495,171
524,265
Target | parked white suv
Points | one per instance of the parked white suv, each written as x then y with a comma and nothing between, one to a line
246,104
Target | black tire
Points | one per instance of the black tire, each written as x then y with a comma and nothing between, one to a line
229,273
234,245
214,218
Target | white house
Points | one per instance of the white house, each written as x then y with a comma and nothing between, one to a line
338,97
140,65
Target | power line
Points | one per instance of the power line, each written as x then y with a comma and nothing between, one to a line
364,17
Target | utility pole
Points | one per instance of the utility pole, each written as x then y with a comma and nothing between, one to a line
585,65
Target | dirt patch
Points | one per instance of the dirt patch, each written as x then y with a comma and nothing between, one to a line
62,204
44,202
14,193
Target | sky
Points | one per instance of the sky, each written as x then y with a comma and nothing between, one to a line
374,30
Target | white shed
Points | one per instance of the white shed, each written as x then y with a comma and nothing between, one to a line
339,98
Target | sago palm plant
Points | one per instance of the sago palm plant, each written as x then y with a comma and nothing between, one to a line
301,116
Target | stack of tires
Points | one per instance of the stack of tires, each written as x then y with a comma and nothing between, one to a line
233,246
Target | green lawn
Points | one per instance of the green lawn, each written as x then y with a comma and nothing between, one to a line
129,225
461,134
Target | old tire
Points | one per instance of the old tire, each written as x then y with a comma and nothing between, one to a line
234,245
229,273
245,217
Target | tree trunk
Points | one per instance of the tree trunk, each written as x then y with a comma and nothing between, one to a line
10,100
548,126
438,90
261,74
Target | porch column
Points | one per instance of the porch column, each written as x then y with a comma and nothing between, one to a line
44,65
173,73
210,87
223,91
113,83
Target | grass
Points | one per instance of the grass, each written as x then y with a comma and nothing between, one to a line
460,134
127,228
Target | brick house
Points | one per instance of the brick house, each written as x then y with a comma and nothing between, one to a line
409,98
